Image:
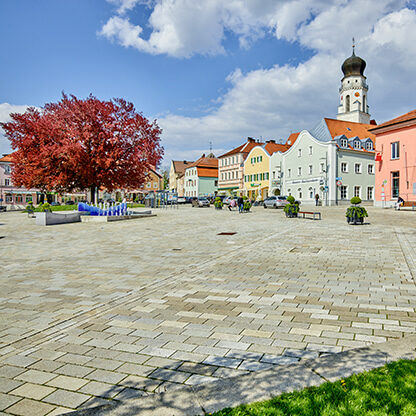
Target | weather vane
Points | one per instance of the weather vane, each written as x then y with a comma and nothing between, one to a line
353,45
210,147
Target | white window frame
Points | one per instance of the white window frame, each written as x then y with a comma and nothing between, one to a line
344,187
357,168
310,150
344,164
289,172
310,169
357,187
344,143
370,169
395,150
369,145
357,145
299,152
299,171
370,197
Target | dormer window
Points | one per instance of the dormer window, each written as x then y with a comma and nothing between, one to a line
369,145
357,145
344,143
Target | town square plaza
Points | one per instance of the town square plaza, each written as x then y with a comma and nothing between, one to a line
91,312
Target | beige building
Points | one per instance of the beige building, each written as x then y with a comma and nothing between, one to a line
231,168
176,176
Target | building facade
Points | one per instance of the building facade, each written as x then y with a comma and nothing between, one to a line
257,169
231,168
322,161
396,160
201,177
176,172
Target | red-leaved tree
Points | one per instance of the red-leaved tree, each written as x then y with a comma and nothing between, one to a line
77,144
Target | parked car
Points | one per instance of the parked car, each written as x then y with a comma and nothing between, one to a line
69,202
3,208
55,204
275,202
200,202
181,200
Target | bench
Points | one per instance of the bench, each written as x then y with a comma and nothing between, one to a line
315,215
409,204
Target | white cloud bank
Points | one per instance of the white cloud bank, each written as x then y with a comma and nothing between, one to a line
272,102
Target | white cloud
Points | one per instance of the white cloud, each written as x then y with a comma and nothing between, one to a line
274,102
5,110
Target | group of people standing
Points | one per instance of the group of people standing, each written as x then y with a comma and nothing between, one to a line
233,204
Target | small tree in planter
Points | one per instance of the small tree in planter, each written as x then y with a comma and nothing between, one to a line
356,214
218,203
292,208
246,204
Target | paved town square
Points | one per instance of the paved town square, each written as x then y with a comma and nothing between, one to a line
92,312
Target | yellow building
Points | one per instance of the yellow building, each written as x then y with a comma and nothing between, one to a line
257,168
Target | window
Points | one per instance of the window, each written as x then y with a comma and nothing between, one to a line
344,167
148,185
395,182
18,198
344,143
7,169
299,152
357,168
364,104
369,145
154,184
322,167
9,198
28,198
311,193
289,172
343,192
357,191
395,154
289,192
300,193
370,193
261,158
215,183
347,103
274,175
310,150
310,169
299,171
371,169
357,144
267,175
7,182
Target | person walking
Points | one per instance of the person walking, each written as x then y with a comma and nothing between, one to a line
240,202
316,199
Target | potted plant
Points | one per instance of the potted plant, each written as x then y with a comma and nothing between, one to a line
46,207
246,204
292,208
356,214
218,203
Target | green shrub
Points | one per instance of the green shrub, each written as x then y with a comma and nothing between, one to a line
46,207
247,205
290,199
355,200
218,203
29,207
291,208
358,212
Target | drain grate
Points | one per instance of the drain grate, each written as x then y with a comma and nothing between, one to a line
176,249
226,233
2,236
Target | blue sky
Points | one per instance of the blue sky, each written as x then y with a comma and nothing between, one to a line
217,73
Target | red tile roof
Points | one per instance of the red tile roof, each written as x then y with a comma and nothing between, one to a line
209,161
207,172
6,158
271,147
292,138
243,148
410,116
349,129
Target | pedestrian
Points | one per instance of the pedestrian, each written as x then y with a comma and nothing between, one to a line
240,202
317,199
232,204
399,203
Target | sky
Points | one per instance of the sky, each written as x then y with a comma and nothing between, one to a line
211,72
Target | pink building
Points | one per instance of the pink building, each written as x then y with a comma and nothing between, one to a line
396,160
10,195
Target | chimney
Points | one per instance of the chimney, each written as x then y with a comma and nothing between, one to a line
250,139
270,141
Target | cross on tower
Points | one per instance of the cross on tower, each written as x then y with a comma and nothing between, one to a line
353,45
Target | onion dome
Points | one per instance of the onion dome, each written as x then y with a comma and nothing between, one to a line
354,65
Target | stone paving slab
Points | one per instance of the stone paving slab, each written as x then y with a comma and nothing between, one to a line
189,305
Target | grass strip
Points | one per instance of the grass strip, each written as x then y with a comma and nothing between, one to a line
388,390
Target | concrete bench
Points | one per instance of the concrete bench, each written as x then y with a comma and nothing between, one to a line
411,204
314,215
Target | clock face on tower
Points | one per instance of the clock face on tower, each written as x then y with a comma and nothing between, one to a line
357,94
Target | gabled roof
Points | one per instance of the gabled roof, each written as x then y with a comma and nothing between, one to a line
408,117
243,148
328,128
180,166
209,161
6,158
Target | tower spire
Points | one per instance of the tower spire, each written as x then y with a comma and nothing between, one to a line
353,46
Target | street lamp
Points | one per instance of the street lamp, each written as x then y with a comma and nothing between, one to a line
326,177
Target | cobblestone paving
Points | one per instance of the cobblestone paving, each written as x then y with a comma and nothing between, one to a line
98,312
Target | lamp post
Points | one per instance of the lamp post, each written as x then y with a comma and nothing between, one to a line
326,177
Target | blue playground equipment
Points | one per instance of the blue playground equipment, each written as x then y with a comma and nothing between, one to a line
103,209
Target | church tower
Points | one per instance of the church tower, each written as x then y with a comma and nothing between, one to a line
353,92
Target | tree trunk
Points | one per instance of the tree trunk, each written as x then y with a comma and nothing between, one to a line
93,190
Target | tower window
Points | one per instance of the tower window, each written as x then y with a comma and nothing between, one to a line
347,103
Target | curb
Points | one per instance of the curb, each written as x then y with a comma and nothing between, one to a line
261,385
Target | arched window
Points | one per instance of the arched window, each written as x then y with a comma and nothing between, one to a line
344,142
300,193
347,103
364,104
357,144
